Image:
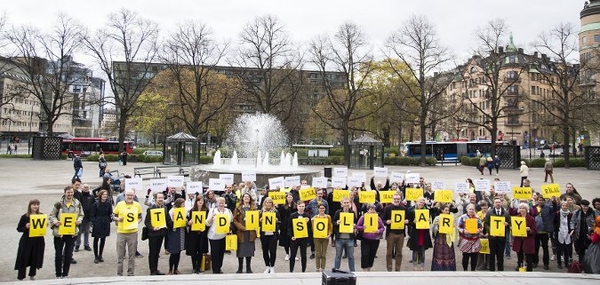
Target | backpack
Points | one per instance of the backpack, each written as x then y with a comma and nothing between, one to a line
575,267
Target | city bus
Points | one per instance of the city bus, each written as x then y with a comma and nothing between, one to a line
449,150
86,146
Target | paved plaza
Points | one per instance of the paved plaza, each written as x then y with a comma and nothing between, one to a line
24,179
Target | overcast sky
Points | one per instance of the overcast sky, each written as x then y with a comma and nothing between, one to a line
454,20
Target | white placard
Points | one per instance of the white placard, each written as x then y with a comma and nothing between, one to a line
216,184
397,177
461,188
412,178
276,182
441,185
502,187
226,178
194,186
248,176
362,176
291,181
175,181
340,172
338,182
133,183
482,185
319,182
380,172
354,181
158,185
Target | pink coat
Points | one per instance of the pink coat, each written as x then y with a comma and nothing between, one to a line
529,241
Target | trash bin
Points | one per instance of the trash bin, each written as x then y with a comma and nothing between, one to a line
327,172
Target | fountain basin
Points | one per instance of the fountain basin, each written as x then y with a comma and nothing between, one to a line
205,172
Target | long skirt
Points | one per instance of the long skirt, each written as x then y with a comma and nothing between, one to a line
246,248
443,255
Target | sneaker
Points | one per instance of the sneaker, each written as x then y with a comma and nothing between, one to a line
100,259
87,248
297,258
96,260
272,269
312,255
553,257
138,255
287,257
268,270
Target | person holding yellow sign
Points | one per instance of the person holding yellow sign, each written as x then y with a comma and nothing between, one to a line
370,226
127,214
176,224
394,218
156,224
469,227
246,225
270,221
284,213
197,240
495,224
323,228
299,231
219,220
65,218
443,258
420,239
31,245
524,245
344,220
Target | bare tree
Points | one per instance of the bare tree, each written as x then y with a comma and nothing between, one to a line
125,50
46,60
417,46
564,75
347,58
271,79
191,54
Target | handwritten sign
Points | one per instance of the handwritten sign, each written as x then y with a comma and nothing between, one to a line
444,196
319,182
522,193
278,197
291,181
412,178
308,194
366,197
353,181
361,176
133,184
502,187
381,172
551,190
340,172
216,184
175,181
158,185
397,177
338,182
227,178
482,185
386,196
412,194
194,186
436,185
248,175
339,194
461,188
276,182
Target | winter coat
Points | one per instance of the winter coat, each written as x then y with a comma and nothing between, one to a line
148,221
61,207
413,232
31,250
101,217
239,221
528,242
578,230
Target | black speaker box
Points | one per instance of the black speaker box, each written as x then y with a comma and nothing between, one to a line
338,278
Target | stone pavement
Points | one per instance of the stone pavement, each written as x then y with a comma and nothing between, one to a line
24,179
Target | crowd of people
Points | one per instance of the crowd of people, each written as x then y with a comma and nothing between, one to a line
203,226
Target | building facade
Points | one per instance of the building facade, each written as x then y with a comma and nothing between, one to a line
589,51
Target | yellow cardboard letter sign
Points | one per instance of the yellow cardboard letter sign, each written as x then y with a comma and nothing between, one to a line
471,225
38,225
366,197
269,222
67,224
252,220
223,222
278,197
157,218
179,220
446,223
412,194
522,193
485,246
339,194
198,221
320,227
518,226
299,228
231,242
346,223
444,196
370,222
386,196
551,190
422,219
308,194
130,219
497,226
398,219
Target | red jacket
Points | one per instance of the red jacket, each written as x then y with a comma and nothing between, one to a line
528,242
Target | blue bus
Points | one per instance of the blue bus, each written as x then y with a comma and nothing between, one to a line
449,150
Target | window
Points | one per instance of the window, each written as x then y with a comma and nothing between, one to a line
511,74
584,40
597,38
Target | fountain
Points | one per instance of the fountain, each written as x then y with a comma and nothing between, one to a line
250,143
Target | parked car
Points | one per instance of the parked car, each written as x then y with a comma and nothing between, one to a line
153,153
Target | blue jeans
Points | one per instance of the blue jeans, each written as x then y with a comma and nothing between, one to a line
84,230
344,245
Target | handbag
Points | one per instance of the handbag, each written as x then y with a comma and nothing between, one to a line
231,242
144,233
206,262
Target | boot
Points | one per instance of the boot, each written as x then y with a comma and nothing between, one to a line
248,263
240,264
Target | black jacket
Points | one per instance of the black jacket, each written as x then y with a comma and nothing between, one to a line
148,222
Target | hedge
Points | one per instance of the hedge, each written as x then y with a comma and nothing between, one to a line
534,163
408,161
